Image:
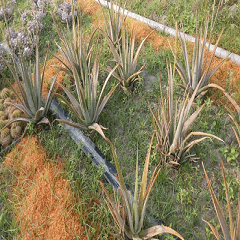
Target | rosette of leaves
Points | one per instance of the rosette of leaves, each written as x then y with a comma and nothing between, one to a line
231,232
31,102
172,124
199,68
129,211
123,54
78,64
114,20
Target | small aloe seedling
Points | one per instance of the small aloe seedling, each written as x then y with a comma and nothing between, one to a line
232,232
130,220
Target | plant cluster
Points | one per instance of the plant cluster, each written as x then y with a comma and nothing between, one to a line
78,63
172,124
64,12
114,21
40,5
198,69
31,102
123,54
33,16
129,211
7,113
2,53
32,20
7,10
20,41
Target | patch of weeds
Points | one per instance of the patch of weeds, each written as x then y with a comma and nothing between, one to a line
57,141
230,153
155,61
180,198
8,227
84,177
212,119
31,127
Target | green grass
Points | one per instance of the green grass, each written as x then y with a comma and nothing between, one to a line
8,227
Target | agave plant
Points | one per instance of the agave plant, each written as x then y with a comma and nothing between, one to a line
29,92
78,64
232,232
114,21
123,54
199,70
130,220
172,124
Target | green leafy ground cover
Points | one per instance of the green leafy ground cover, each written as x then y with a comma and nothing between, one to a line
180,197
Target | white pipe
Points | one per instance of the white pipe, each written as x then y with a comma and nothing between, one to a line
220,52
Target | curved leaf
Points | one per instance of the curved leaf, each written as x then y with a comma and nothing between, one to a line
159,229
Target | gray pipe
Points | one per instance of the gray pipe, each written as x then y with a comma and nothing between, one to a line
220,52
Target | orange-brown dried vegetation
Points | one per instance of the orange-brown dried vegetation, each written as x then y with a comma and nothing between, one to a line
50,72
41,194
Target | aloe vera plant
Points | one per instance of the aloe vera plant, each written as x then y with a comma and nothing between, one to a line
130,220
78,64
123,54
232,232
114,21
31,101
199,69
172,123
